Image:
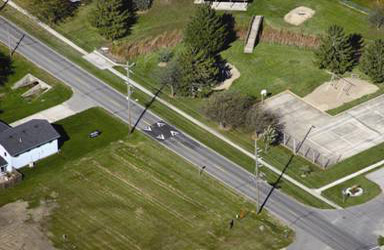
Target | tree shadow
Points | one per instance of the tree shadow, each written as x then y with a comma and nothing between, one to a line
63,134
6,68
229,23
357,43
275,185
224,69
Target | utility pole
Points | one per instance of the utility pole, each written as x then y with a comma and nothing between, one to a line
129,92
257,177
9,43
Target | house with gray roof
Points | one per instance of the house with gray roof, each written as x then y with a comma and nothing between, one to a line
26,143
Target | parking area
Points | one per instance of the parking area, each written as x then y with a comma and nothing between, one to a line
337,137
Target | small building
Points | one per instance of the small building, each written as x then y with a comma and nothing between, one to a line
26,143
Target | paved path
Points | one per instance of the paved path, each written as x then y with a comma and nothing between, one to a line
358,231
76,104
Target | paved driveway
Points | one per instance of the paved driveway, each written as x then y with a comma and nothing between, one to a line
338,137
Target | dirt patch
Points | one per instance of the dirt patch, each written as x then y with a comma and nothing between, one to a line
20,227
299,15
335,93
234,74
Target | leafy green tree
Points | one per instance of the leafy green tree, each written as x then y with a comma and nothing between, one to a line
51,11
199,73
335,52
142,4
269,137
228,108
170,76
372,61
112,18
206,31
258,119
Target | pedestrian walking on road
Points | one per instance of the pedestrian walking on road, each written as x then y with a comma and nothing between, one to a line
201,170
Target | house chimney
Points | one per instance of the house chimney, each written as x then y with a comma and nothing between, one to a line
20,140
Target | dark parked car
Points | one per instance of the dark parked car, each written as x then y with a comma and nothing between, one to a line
94,134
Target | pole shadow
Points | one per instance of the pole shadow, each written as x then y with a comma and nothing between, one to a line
4,4
275,184
147,106
17,44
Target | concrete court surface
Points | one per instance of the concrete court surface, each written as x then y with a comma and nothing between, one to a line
341,136
377,177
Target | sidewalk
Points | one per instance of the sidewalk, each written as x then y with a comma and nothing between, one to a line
51,114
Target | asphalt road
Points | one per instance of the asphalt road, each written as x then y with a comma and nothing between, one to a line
316,228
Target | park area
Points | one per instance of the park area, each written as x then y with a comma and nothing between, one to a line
129,192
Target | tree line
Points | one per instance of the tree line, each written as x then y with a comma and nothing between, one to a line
340,53
112,18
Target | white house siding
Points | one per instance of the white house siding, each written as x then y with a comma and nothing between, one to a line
6,157
35,154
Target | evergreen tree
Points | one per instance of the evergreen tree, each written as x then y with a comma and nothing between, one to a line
198,73
206,31
335,52
112,18
51,11
372,61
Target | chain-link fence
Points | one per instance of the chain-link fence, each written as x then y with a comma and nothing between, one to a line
308,151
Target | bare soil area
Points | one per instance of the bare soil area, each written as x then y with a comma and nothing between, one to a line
335,93
299,15
20,227
234,74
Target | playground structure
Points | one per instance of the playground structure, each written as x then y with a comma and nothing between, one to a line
338,91
237,5
253,33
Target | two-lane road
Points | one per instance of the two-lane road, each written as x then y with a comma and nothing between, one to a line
311,222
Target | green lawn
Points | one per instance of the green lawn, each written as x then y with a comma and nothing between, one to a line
371,190
130,192
188,127
328,12
13,106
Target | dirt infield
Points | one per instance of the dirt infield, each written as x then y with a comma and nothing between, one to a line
335,93
299,15
20,227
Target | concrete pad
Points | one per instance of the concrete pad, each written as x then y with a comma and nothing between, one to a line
336,137
99,60
377,177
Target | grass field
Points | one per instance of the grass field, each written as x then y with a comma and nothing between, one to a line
13,106
328,12
188,127
371,190
132,193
